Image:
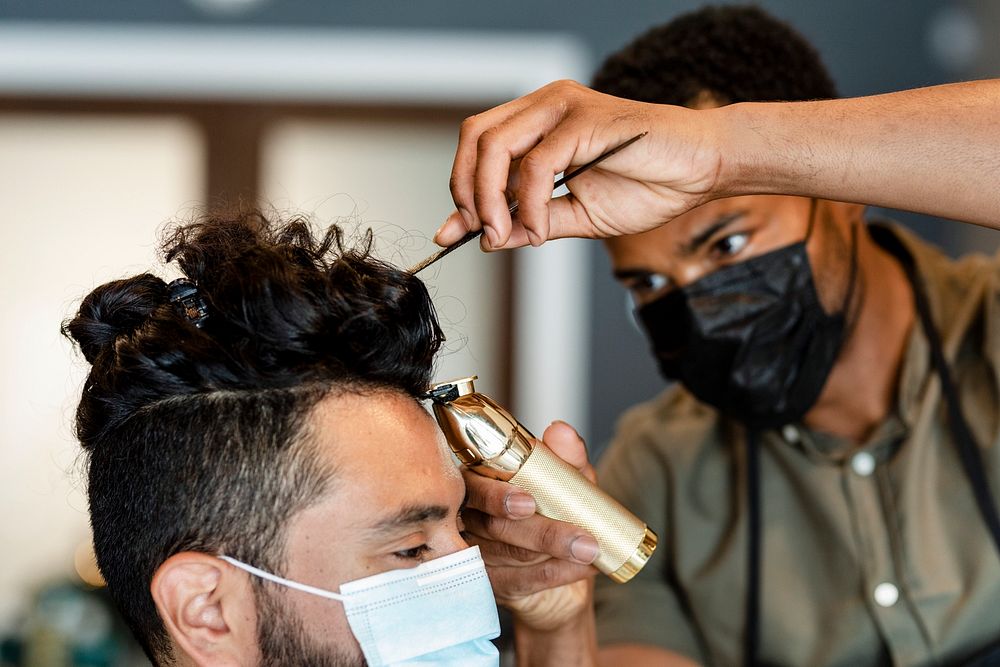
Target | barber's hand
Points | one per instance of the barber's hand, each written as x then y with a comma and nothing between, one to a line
539,567
514,151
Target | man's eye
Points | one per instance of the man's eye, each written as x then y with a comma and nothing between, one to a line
416,553
730,245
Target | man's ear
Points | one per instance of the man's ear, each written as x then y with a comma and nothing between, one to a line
208,609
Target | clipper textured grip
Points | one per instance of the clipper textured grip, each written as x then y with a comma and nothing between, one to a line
562,493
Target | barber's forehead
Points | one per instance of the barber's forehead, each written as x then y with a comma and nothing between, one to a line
687,224
766,213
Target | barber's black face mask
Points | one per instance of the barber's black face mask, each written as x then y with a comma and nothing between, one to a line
751,339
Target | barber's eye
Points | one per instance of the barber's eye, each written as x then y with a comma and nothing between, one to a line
648,284
730,245
416,553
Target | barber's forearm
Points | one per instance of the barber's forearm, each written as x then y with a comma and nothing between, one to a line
931,150
574,643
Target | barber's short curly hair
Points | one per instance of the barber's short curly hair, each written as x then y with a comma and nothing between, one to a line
197,436
733,53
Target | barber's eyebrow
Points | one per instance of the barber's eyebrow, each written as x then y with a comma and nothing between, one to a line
629,274
408,517
702,237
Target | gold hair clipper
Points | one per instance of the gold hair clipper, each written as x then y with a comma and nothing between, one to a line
488,440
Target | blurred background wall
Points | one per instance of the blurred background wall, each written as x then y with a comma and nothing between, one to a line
116,118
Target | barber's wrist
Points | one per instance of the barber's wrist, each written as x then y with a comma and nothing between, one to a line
768,148
738,173
752,162
554,608
572,642
704,141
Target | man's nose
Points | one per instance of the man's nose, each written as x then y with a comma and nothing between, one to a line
456,543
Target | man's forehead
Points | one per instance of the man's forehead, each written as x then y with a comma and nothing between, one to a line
358,421
379,441
390,476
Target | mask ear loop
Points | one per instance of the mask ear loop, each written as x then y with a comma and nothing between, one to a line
330,595
854,270
852,280
812,220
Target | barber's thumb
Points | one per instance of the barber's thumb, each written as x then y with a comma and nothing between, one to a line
454,228
569,218
566,443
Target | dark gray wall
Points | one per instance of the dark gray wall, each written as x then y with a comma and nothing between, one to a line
870,47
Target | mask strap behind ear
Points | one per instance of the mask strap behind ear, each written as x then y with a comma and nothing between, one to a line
282,581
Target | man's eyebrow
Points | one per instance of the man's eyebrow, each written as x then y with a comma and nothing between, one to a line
410,516
702,237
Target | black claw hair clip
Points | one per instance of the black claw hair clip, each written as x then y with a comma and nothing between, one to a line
441,394
188,301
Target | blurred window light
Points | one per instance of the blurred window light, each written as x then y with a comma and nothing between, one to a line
227,8
84,196
286,64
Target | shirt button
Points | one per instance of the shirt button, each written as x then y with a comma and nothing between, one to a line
790,434
863,464
886,594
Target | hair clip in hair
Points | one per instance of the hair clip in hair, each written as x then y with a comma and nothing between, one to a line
444,393
186,299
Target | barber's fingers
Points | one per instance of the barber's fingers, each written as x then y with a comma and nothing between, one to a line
567,218
497,554
502,499
518,581
456,225
476,140
557,152
511,144
496,498
490,141
536,533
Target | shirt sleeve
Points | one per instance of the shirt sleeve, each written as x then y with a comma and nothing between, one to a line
646,610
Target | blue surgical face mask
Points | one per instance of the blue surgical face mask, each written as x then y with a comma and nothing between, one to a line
441,612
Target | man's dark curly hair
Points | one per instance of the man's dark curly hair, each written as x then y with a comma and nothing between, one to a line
734,53
197,437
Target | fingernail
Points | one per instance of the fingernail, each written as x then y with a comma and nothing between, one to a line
441,236
584,549
467,216
534,238
491,236
519,504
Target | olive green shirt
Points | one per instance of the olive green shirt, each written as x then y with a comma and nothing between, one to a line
870,555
